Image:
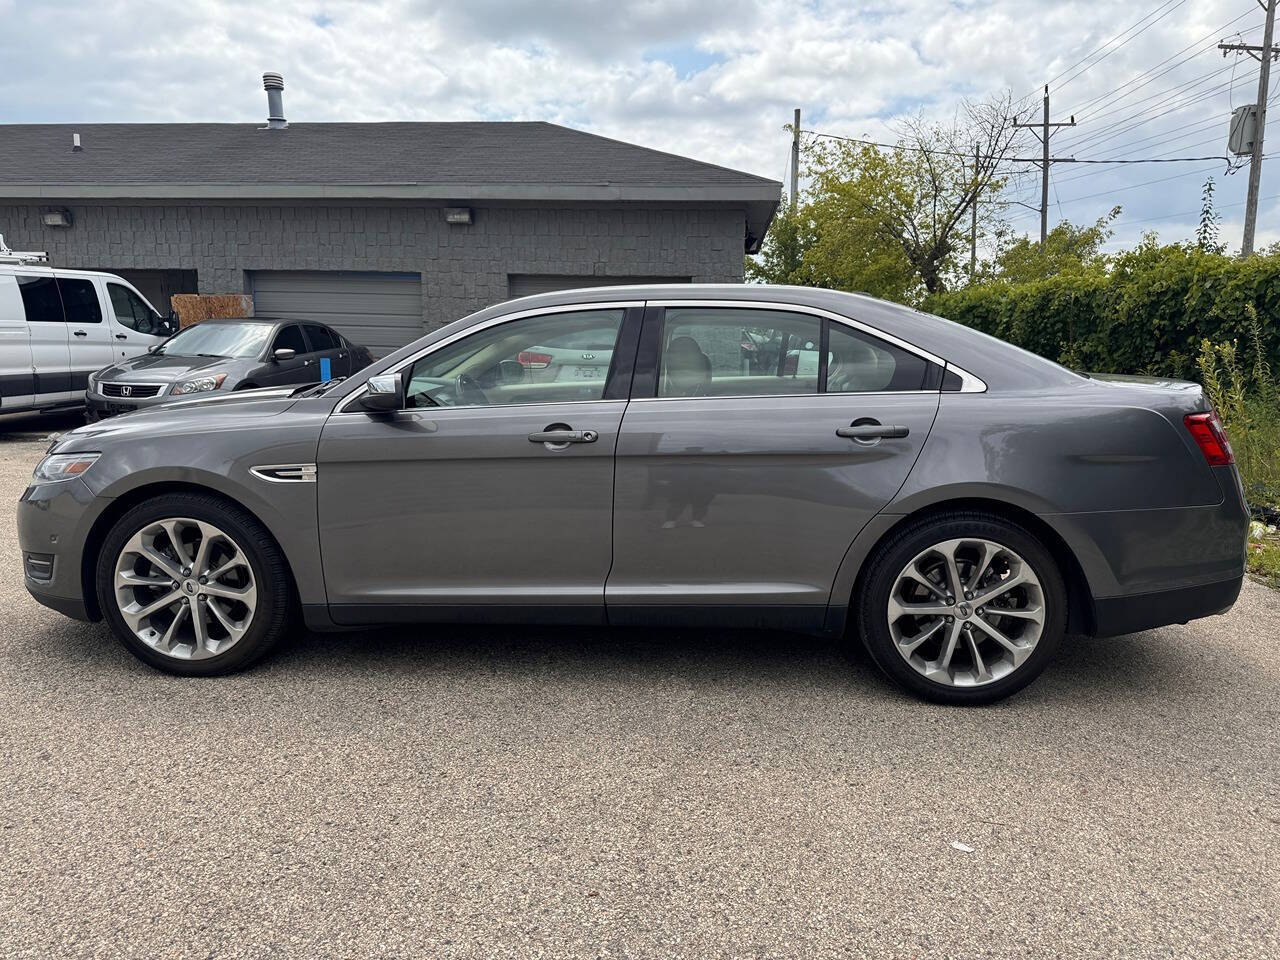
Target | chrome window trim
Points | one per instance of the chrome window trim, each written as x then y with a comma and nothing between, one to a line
493,322
797,396
969,383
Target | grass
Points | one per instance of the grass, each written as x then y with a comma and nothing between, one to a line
1248,401
1264,560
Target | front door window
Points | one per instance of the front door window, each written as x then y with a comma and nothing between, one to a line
554,358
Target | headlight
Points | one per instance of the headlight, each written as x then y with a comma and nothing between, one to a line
63,466
199,385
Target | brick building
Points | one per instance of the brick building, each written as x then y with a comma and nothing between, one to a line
382,229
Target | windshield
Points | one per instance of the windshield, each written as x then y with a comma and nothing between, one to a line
219,340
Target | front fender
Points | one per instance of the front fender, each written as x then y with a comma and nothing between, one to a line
220,462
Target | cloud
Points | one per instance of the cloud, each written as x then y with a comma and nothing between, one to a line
717,81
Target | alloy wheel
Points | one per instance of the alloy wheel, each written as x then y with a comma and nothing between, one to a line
966,612
185,588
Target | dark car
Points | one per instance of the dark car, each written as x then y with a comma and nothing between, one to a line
957,503
239,353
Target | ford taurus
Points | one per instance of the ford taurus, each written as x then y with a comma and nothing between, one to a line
957,504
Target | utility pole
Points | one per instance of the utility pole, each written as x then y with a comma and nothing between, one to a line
1264,54
795,160
973,228
1043,132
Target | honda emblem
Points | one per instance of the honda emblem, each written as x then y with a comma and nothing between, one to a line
126,391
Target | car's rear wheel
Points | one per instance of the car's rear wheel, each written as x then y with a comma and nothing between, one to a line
961,607
192,584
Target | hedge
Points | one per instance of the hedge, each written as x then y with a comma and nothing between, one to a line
1145,312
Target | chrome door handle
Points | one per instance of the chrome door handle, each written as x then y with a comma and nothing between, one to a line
873,431
78,333
564,436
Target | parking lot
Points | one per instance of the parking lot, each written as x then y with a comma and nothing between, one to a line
549,792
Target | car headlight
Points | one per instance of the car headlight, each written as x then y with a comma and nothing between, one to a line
63,466
199,385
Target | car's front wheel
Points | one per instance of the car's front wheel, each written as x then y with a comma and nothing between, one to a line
192,584
961,607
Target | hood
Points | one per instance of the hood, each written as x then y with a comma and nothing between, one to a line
163,368
199,413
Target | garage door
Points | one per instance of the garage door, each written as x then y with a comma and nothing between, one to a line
382,311
527,284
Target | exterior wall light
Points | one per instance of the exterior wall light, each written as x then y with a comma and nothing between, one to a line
56,218
458,215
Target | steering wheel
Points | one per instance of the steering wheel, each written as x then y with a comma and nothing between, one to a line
467,391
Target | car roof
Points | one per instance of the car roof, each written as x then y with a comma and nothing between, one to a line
265,320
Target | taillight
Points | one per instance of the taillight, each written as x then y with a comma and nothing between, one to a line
534,361
1206,430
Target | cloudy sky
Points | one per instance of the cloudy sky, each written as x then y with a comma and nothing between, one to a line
712,80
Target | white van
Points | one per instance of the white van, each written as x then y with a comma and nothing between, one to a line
59,326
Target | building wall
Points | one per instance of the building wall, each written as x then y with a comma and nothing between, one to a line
463,267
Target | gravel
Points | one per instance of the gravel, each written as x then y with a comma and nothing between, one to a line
451,792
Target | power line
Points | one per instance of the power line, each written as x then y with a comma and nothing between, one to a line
1076,76
1115,106
1196,213
953,153
1135,186
1083,108
1055,79
1141,118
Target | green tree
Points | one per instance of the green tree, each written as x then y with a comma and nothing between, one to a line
893,222
1068,249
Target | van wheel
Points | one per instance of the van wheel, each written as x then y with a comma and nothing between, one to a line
962,607
192,584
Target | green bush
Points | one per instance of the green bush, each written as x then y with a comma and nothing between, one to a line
1146,310
1243,391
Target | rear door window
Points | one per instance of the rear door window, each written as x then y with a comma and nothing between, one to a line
860,363
40,299
79,300
735,352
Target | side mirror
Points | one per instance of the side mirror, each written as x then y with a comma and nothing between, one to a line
284,353
383,394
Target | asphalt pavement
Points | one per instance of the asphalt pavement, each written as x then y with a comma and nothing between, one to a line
498,792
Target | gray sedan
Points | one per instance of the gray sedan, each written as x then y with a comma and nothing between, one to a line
224,355
957,504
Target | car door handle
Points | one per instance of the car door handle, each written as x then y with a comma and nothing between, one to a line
564,436
873,431
78,333
122,336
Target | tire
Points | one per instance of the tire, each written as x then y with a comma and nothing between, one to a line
989,670
256,571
